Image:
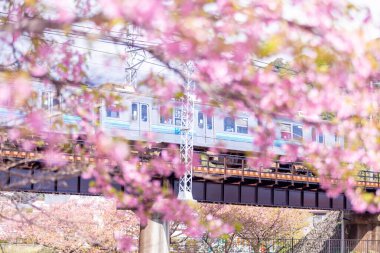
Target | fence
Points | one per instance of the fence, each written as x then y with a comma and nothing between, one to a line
328,246
286,246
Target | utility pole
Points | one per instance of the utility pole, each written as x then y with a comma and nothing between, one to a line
187,133
154,236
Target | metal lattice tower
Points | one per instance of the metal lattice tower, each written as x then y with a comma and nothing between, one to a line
136,55
187,131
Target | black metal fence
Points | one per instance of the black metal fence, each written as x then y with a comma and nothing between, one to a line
326,246
285,246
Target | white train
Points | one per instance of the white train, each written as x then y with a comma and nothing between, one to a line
144,115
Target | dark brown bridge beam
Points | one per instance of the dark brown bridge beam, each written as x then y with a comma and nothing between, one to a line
271,196
203,191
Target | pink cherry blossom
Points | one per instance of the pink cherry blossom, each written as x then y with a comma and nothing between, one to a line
306,61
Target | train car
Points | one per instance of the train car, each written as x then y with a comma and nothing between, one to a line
144,115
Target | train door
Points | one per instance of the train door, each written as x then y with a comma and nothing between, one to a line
140,118
209,129
204,128
144,117
199,127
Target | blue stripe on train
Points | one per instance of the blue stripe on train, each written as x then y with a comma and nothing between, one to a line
166,129
279,143
71,119
234,137
10,117
5,111
116,124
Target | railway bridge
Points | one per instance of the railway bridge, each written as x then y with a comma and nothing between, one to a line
218,179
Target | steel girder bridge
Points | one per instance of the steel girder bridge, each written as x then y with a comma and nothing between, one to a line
216,179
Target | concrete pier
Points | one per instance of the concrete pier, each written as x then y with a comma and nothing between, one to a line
363,231
154,237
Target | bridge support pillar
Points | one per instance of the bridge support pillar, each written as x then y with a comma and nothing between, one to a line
363,232
154,237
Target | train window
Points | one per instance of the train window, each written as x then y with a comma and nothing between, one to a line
242,125
112,112
134,111
144,113
56,102
229,124
7,102
297,132
209,122
286,131
313,134
45,100
177,116
336,138
170,118
166,119
200,120
321,138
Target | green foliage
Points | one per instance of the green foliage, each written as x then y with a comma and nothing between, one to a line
329,116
